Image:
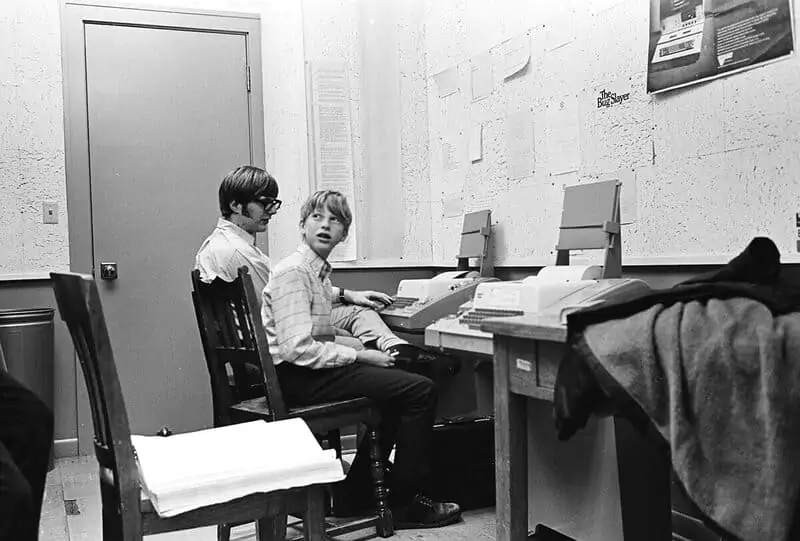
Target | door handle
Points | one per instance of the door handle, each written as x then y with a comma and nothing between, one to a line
108,271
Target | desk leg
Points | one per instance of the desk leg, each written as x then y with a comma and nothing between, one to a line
511,452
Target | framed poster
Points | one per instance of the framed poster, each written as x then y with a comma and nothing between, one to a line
697,40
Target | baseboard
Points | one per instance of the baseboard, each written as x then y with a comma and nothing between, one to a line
65,448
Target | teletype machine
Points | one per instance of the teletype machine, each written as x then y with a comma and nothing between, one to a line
420,302
556,290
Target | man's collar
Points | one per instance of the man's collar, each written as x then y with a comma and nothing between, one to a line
317,264
227,225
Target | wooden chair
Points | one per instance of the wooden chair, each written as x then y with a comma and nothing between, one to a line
229,319
127,514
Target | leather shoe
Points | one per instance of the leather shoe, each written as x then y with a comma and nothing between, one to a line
418,360
356,498
423,512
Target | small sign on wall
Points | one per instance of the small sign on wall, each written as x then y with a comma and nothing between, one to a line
614,94
797,224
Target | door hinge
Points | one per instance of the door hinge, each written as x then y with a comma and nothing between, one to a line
247,77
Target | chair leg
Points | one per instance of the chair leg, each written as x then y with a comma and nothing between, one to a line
384,527
314,517
335,442
223,532
272,528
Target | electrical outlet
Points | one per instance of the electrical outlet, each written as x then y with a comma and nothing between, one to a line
49,212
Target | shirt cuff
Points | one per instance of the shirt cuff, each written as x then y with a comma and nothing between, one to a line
345,355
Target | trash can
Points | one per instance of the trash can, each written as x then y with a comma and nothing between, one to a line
26,336
463,461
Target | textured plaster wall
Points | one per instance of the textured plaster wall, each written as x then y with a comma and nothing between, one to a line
414,135
714,164
383,47
31,138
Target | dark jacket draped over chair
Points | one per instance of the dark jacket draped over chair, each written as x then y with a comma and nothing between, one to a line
711,368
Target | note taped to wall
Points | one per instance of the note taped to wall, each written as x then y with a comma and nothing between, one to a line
333,150
450,155
560,26
519,144
452,205
476,143
482,75
561,139
628,197
447,81
516,54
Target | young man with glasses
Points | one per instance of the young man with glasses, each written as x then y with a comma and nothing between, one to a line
248,199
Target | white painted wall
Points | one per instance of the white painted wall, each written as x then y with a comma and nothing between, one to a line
31,138
715,164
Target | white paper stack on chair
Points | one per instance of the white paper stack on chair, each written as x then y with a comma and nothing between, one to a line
187,471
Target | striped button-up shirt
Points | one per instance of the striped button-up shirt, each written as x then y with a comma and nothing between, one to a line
296,310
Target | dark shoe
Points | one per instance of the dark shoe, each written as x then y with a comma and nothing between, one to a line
423,512
356,498
404,354
418,360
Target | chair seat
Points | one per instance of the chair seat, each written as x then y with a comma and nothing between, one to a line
319,417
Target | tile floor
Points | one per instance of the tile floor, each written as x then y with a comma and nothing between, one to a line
72,511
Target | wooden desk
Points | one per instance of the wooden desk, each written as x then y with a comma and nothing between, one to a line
527,351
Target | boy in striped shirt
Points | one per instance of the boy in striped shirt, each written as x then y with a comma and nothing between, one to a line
296,311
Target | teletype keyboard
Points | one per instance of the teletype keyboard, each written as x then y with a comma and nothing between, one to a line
420,302
557,290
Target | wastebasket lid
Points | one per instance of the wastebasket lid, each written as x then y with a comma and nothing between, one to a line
25,315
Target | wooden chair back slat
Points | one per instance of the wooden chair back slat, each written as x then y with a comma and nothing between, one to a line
229,319
80,307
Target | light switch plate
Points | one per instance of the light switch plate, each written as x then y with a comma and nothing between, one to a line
49,212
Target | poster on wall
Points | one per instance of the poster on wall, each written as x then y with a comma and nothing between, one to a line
332,141
696,40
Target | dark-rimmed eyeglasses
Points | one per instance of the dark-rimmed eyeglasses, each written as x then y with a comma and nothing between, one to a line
270,203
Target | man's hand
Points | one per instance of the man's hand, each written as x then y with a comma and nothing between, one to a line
371,299
375,358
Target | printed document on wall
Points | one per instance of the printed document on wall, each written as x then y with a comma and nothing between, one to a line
447,81
519,144
333,148
482,75
516,54
561,135
476,143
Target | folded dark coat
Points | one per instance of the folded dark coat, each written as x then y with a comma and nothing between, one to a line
713,367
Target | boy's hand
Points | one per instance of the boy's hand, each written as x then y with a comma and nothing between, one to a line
375,358
371,299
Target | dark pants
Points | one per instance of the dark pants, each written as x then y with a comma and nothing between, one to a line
26,436
408,405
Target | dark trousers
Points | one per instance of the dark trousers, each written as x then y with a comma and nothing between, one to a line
408,405
26,436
